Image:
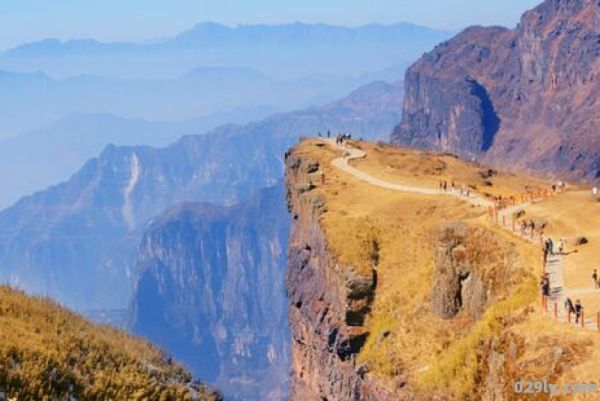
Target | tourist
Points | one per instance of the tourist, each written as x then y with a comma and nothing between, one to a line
550,245
569,308
545,285
578,310
595,278
561,246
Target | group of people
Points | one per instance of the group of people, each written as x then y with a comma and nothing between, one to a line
443,186
576,309
549,246
341,138
570,308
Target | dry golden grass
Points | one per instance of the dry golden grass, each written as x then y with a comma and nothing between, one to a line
428,169
48,353
406,337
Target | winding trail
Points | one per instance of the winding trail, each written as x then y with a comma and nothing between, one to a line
350,153
554,265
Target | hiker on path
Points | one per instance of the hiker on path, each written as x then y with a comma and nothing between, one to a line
550,246
328,134
569,308
595,277
561,246
545,285
578,310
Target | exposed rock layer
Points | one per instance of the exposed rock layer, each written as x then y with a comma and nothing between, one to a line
521,98
328,303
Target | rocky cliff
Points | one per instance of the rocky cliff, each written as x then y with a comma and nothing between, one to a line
328,302
522,98
209,289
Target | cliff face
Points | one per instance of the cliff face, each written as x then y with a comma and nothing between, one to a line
209,289
328,302
522,98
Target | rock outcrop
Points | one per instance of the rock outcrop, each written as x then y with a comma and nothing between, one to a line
472,266
328,302
523,98
210,290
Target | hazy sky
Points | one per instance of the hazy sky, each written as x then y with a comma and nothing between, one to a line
108,20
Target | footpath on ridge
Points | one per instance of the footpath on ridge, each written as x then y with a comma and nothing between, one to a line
554,265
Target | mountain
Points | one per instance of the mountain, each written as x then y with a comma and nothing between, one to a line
523,98
48,352
209,289
71,141
76,241
287,50
30,101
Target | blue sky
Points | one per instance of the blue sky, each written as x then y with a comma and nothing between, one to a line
109,20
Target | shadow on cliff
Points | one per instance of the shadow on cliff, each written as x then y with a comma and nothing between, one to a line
489,117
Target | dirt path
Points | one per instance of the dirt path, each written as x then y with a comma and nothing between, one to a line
350,153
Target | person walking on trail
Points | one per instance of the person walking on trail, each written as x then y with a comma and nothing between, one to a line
595,278
578,310
561,246
545,285
569,308
328,134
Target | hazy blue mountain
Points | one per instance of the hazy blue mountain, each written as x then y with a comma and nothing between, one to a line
209,289
288,50
76,241
30,101
46,156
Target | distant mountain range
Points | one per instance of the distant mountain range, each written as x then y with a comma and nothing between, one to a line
289,50
35,160
33,100
76,241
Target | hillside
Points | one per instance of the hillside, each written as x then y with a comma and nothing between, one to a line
411,292
49,353
522,98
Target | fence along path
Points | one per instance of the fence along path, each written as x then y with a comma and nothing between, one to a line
502,215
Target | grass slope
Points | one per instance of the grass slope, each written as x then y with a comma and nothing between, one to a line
49,353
